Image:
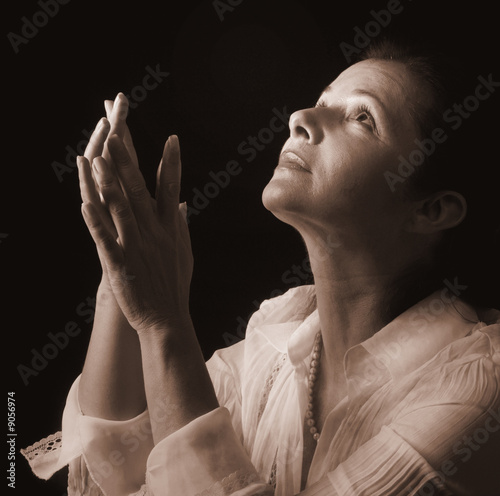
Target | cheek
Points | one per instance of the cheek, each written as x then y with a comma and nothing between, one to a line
353,170
353,182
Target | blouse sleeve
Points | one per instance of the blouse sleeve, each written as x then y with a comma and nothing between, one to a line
110,457
105,457
205,457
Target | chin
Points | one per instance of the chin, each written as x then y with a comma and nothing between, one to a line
282,201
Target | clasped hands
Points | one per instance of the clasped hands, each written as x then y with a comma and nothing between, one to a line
143,242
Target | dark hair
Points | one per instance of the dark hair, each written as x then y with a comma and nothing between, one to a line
463,163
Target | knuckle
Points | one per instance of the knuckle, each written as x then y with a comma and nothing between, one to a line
107,184
122,160
136,191
108,243
120,209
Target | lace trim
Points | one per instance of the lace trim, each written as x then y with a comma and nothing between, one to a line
143,491
272,477
46,445
232,483
269,385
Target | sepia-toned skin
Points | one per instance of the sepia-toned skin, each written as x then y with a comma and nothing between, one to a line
329,185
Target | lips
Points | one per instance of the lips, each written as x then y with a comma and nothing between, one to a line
289,159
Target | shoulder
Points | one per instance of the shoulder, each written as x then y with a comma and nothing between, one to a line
466,372
481,344
268,330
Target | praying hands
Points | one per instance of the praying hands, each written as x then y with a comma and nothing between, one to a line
144,248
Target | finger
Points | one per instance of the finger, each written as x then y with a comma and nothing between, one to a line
88,187
169,182
89,192
117,121
97,139
108,248
108,107
133,184
119,114
129,145
117,204
183,210
127,137
183,222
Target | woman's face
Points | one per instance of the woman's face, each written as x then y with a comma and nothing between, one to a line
330,173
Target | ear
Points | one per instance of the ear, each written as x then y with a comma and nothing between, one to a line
440,211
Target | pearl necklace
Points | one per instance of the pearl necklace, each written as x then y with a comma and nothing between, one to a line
313,375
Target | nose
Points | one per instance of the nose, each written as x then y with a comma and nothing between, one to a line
304,125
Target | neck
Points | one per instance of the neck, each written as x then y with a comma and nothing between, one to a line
358,292
350,310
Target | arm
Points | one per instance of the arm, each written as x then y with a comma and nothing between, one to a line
111,385
174,368
153,250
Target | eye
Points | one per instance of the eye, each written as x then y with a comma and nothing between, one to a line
364,115
321,103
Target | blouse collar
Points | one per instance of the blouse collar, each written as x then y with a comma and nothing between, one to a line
400,347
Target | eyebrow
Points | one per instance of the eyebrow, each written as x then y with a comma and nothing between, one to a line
360,91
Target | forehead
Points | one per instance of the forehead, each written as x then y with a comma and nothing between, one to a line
383,77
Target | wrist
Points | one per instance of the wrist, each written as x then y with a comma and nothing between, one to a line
167,330
105,296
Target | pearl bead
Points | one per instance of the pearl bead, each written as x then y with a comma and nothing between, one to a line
313,371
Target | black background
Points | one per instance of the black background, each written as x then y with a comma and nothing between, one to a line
225,78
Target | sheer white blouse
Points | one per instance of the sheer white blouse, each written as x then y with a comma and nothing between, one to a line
421,417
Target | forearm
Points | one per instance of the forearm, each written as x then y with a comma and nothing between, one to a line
112,385
176,378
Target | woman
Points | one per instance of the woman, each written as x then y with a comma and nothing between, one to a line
378,379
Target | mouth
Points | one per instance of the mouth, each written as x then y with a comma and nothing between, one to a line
290,160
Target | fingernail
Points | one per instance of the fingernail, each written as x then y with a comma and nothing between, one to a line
100,124
105,123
